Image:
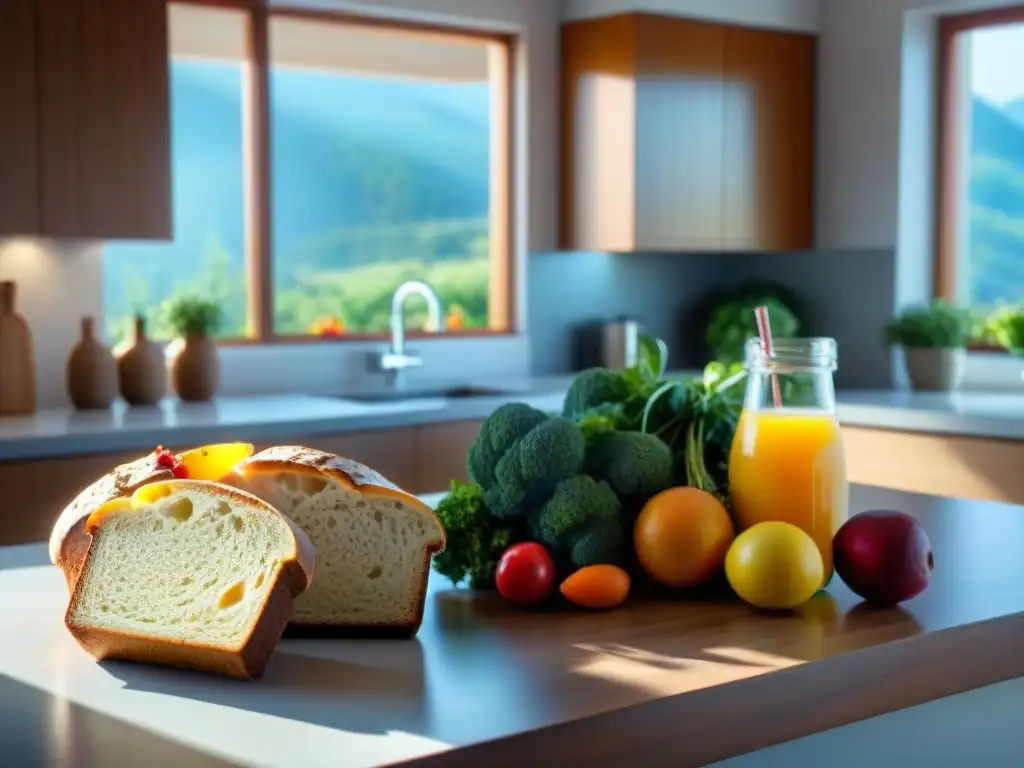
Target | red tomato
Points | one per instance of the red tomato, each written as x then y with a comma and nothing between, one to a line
526,574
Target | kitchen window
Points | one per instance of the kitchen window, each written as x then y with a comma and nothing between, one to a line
319,161
980,254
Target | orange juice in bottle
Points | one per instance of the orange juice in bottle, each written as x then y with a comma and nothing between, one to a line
787,461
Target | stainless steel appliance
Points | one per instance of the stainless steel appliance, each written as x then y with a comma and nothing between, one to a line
620,341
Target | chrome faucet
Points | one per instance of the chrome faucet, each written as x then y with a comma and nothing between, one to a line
394,361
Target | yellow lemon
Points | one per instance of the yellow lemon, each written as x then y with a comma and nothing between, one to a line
775,566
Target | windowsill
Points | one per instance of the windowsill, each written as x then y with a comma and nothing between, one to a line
994,371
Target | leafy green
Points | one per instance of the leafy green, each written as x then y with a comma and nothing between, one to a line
733,323
936,325
653,356
695,418
476,538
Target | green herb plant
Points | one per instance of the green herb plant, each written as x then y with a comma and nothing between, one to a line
1007,328
936,325
189,315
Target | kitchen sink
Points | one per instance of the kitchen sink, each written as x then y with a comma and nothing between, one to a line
391,395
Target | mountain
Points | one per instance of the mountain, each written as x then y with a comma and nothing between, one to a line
352,157
996,229
1015,110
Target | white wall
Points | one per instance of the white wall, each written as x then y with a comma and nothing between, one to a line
779,14
59,282
57,285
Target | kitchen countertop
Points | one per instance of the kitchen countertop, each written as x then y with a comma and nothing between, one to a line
994,415
656,683
65,432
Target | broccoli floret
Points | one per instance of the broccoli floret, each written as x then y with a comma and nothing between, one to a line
476,539
635,464
582,517
593,388
530,469
497,434
520,455
601,543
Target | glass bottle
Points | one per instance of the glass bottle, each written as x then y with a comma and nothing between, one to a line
787,461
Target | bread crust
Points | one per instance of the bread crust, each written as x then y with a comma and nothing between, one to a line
69,541
371,484
246,661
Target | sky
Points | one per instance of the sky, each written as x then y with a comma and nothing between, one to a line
997,63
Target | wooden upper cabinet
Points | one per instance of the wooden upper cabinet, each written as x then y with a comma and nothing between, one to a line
599,134
19,183
680,111
769,139
685,135
103,112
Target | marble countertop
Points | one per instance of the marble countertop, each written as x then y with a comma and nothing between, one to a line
65,432
681,683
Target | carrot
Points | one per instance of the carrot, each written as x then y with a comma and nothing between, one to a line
597,586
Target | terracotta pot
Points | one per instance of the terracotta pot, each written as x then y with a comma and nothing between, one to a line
935,370
141,368
17,357
91,371
195,368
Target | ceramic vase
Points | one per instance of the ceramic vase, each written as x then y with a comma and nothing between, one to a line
195,368
141,369
17,357
935,370
91,371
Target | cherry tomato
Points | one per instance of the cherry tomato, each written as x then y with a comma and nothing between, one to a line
525,574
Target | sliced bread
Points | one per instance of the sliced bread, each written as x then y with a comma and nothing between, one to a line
373,541
69,541
190,574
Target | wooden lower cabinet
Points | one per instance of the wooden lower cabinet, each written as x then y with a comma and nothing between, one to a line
421,459
441,454
940,465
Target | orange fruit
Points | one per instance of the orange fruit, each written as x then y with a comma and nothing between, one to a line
597,586
682,536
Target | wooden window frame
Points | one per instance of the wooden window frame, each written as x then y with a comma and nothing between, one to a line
950,135
258,187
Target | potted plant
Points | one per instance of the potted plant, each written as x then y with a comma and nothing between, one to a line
194,364
1006,325
934,339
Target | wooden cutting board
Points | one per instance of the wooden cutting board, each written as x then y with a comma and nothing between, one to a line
17,359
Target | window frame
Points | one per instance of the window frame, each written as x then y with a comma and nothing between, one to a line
949,215
258,187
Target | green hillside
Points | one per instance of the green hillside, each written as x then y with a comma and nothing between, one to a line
997,206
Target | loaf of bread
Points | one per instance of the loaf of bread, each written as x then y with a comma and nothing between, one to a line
190,574
69,541
374,542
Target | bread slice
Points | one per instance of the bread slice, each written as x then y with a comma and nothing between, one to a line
192,574
373,541
69,541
